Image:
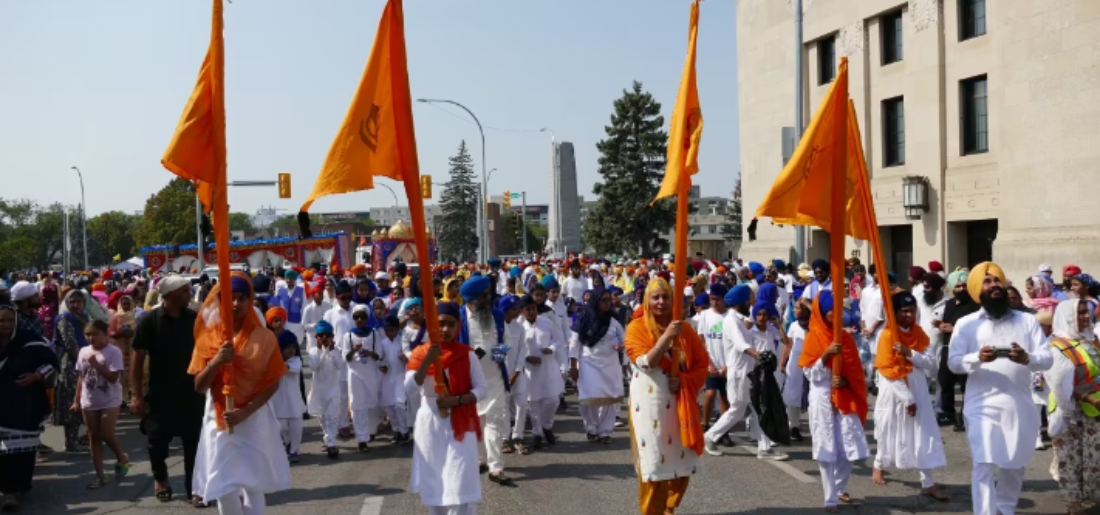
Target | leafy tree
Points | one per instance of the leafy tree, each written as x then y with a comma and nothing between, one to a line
457,225
241,222
169,216
32,236
111,234
732,227
631,165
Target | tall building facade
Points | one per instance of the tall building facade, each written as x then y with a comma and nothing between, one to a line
990,108
565,221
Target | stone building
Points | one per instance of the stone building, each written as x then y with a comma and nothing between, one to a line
993,105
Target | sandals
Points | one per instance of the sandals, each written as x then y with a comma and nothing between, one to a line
164,494
522,448
98,482
197,502
507,448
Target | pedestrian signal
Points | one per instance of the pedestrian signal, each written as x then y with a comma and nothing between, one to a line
284,185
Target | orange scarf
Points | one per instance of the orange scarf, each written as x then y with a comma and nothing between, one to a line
852,399
456,361
642,335
893,365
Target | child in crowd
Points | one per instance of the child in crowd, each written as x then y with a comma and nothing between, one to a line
287,401
366,361
324,396
393,381
99,395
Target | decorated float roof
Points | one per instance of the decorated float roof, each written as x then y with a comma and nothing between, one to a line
246,244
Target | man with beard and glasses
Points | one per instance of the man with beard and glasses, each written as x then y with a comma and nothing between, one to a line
998,348
930,307
483,330
821,280
958,307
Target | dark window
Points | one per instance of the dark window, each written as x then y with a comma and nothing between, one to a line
893,137
975,116
826,60
971,19
891,37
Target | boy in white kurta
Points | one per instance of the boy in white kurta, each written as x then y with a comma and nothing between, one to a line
325,392
287,402
544,382
998,348
905,422
596,363
795,382
393,381
366,357
515,362
313,313
340,319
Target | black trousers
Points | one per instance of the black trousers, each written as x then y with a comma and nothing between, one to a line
158,453
16,471
948,380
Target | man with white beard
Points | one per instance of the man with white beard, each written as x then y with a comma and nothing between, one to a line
483,330
998,348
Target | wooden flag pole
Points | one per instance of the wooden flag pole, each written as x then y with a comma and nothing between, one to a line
838,208
679,268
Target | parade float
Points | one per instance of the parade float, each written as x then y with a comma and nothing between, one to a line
327,249
397,244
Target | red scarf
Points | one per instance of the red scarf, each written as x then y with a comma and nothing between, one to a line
456,362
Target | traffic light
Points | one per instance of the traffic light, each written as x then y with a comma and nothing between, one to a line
284,185
425,186
507,199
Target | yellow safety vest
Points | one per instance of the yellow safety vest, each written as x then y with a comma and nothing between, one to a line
1086,372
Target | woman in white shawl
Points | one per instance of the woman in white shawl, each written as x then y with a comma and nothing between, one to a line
1075,405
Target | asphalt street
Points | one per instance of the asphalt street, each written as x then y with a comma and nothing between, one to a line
573,477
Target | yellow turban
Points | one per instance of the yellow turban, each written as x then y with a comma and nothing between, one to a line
977,277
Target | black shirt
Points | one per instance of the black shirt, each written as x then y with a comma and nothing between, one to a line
953,311
169,343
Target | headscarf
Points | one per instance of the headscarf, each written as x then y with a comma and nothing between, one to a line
642,335
457,299
592,324
893,365
977,277
1043,290
852,399
48,310
257,363
92,309
455,359
365,330
356,298
1065,322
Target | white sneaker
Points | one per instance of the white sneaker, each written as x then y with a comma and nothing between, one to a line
772,455
711,447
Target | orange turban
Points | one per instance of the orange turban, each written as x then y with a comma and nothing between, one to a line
977,277
275,312
99,287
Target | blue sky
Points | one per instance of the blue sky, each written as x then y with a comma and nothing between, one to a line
100,84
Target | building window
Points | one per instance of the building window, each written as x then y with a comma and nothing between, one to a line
891,37
971,19
975,116
893,137
826,60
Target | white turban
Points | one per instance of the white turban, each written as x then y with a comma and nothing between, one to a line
23,290
172,283
381,276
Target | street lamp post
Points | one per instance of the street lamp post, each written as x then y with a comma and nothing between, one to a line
396,203
482,225
83,216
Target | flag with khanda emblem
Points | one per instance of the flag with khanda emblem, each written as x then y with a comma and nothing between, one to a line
377,136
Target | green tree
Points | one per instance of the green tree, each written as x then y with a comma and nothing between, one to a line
732,227
32,236
631,165
111,234
240,222
169,216
457,225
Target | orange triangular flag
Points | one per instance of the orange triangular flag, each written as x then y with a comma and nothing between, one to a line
686,128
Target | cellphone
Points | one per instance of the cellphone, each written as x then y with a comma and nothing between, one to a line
1001,352
480,353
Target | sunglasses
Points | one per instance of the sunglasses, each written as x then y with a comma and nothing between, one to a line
345,297
324,336
359,317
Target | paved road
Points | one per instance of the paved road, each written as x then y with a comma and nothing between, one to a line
575,477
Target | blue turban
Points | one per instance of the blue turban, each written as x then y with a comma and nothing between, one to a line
702,300
260,283
615,290
291,275
825,301
514,271
892,277
507,302
903,299
474,287
323,327
550,283
738,295
768,292
449,309
415,301
342,287
287,339
240,284
778,264
820,264
765,306
756,268
719,290
494,262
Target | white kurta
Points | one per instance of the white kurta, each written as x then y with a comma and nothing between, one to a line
252,458
364,373
287,401
573,288
393,381
311,314
826,422
792,386
444,470
655,426
600,367
908,442
871,311
485,338
1001,420
563,331
517,357
929,314
544,380
328,368
340,319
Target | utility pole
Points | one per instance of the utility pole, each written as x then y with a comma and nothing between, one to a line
799,231
66,249
523,223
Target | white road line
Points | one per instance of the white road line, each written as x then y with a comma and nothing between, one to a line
785,467
372,506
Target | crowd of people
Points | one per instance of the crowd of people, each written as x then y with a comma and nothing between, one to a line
757,344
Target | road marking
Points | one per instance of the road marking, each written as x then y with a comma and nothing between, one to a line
372,506
785,467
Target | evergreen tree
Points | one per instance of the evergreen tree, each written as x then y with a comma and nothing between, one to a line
631,165
732,228
458,224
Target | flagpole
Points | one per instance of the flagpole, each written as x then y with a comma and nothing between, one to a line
679,270
838,206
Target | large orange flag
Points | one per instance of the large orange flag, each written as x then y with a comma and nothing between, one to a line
197,152
377,136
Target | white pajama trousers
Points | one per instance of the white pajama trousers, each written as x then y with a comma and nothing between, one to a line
834,478
344,416
365,422
519,407
494,427
599,420
290,429
794,417
542,414
456,509
398,418
740,408
244,502
993,495
330,422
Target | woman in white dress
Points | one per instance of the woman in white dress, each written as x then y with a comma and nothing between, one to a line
445,463
666,434
596,347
